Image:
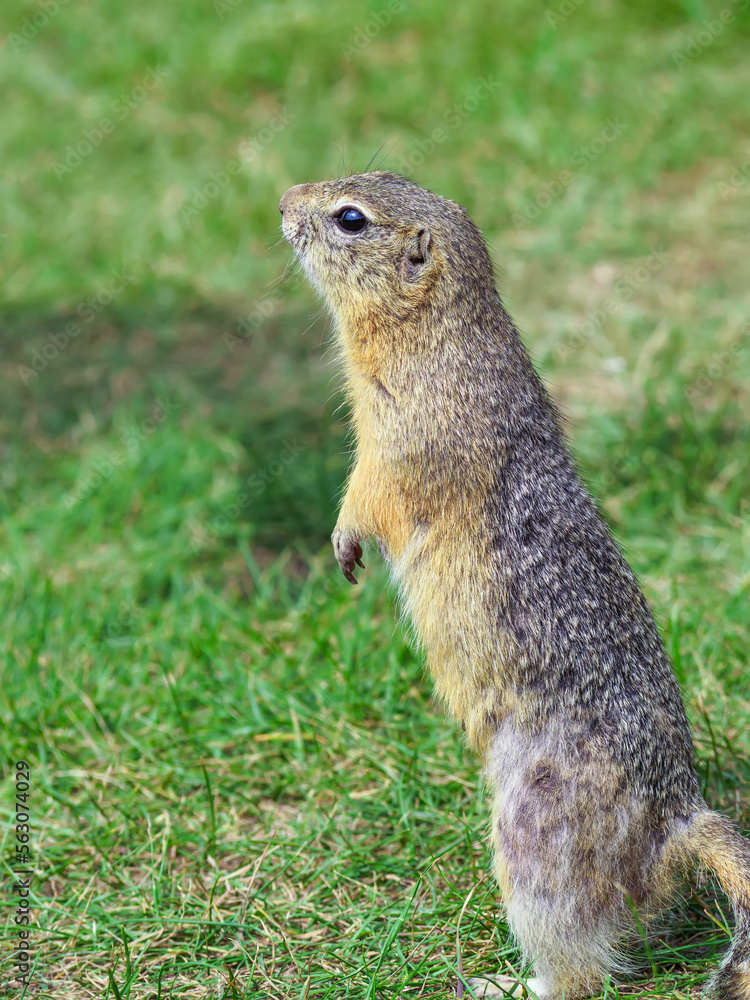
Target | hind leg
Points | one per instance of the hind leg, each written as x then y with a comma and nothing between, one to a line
573,851
501,984
568,942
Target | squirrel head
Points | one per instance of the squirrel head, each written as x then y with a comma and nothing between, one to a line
378,246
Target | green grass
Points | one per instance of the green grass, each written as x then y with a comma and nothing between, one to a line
241,785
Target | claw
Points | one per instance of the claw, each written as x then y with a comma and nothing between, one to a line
348,555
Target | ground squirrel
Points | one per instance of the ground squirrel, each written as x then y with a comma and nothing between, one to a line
536,633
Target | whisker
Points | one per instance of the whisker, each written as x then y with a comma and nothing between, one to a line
382,144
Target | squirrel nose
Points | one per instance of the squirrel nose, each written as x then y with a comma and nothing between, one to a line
284,203
292,195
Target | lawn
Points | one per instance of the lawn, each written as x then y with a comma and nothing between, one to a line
241,786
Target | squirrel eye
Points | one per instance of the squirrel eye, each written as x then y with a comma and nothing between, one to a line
351,220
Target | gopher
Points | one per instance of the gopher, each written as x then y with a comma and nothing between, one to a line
536,633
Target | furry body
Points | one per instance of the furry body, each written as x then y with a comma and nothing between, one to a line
535,630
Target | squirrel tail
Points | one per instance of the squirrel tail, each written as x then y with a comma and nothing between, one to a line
727,854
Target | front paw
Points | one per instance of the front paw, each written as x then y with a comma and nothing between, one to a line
348,553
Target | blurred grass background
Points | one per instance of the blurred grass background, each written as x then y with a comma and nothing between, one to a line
241,785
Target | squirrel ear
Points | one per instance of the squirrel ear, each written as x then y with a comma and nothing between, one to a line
416,254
